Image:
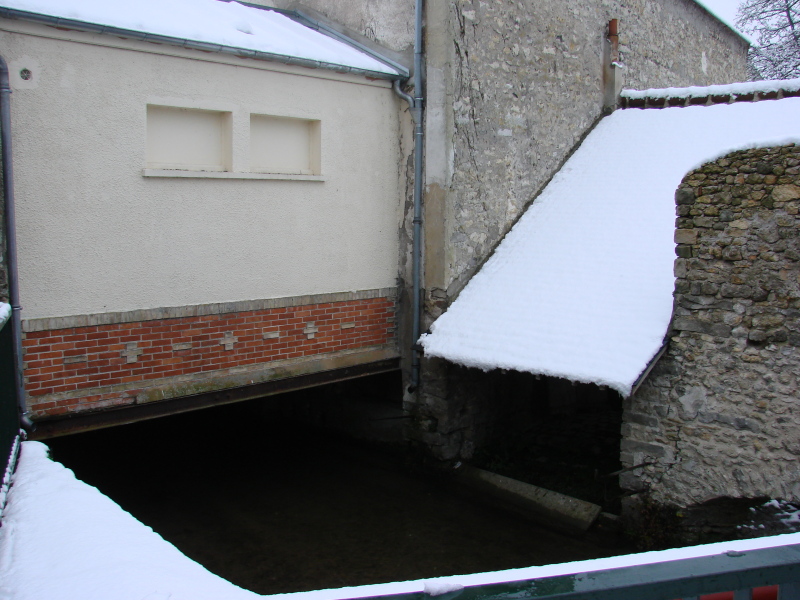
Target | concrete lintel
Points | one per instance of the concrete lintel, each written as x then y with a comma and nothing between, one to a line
544,506
199,310
174,398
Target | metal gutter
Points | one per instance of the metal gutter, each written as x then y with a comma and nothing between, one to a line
11,241
62,23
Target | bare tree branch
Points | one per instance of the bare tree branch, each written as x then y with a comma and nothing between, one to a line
775,25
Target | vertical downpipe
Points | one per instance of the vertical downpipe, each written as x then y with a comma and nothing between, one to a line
417,243
11,240
419,135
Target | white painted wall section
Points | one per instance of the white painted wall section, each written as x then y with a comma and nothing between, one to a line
97,235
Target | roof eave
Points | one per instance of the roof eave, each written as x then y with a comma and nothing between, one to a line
85,26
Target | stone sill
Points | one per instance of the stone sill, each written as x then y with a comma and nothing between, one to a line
229,175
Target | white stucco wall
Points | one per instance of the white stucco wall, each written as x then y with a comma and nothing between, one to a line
96,235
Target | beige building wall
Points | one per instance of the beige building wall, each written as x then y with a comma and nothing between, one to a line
101,230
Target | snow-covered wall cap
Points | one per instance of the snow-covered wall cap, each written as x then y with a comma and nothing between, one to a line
726,22
5,313
732,89
581,287
214,24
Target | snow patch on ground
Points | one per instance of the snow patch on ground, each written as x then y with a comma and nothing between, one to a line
773,517
225,23
731,89
581,287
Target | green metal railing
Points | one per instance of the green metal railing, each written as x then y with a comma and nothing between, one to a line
687,579
9,414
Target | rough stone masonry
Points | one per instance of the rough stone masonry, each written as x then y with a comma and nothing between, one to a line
718,415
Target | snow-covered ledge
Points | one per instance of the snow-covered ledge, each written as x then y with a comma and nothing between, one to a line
748,91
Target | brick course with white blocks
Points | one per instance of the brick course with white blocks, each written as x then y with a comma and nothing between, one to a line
96,364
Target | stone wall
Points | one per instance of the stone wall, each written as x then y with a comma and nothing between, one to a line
527,83
512,88
718,415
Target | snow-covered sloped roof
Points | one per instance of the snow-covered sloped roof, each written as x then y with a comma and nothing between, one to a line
581,287
227,25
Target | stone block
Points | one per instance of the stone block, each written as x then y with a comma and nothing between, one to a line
689,324
652,450
686,236
684,196
786,193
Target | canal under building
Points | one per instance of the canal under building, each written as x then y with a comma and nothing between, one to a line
271,495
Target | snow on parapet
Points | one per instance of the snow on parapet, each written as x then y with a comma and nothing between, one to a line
226,24
581,288
746,88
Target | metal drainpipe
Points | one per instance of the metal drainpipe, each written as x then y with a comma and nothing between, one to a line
11,241
419,136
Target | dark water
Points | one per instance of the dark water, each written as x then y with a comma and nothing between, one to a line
276,506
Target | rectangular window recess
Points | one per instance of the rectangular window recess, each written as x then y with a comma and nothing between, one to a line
188,139
284,145
229,175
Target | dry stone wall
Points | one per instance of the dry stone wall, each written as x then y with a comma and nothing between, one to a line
719,416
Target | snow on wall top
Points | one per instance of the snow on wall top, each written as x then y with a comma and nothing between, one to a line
211,21
581,287
731,89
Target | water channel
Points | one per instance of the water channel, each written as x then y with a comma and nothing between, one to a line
277,505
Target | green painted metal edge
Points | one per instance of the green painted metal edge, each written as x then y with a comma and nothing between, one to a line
670,580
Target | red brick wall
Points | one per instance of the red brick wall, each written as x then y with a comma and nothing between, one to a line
60,362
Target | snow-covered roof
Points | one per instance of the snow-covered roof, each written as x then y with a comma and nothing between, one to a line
215,24
581,287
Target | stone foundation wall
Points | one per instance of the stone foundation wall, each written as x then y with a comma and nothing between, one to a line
719,414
